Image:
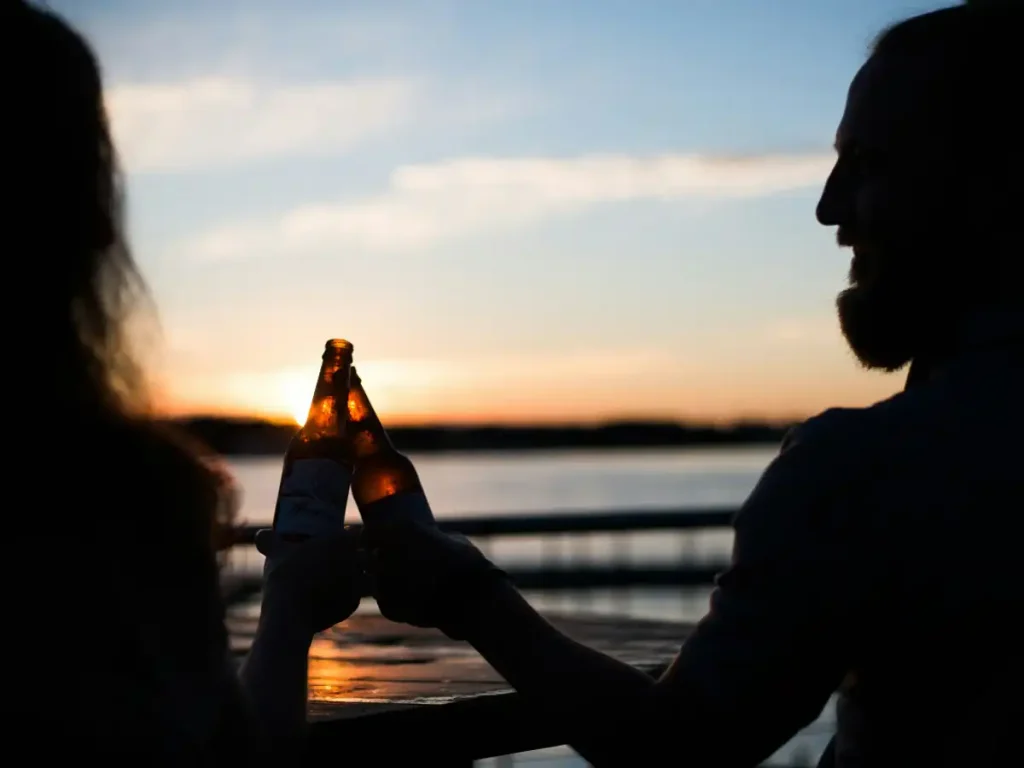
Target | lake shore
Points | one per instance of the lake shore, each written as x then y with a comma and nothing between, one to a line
255,437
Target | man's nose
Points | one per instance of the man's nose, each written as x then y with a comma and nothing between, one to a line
830,208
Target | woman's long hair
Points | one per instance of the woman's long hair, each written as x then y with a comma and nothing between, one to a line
116,541
79,274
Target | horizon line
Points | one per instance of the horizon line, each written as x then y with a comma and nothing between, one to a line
540,422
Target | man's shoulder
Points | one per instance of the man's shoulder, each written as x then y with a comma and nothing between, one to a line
830,452
834,429
813,453
810,490
824,487
846,429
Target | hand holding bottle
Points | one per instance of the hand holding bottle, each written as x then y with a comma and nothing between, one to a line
422,576
317,583
311,575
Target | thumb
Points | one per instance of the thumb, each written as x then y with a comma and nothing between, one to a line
339,543
366,567
265,541
381,533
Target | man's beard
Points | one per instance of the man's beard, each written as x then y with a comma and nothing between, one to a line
893,311
878,326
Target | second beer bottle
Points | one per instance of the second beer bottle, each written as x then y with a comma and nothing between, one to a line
385,484
317,465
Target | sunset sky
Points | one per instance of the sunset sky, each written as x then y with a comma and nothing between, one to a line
516,210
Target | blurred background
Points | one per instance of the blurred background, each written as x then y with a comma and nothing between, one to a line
588,226
516,211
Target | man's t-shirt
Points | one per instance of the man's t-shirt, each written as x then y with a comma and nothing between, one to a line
879,556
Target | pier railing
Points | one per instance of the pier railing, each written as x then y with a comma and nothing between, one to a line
563,562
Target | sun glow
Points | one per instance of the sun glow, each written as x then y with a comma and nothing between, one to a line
290,391
296,394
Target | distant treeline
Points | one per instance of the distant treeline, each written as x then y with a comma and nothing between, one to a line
234,436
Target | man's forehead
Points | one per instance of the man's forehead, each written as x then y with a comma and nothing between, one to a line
892,99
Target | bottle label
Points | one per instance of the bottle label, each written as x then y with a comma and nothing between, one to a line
398,508
313,498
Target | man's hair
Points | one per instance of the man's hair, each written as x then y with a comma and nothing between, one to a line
975,52
970,24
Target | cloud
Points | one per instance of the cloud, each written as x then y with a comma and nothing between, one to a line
219,121
426,204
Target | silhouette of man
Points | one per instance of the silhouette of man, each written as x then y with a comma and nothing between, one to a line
877,555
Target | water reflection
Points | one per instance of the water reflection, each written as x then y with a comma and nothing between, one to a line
367,659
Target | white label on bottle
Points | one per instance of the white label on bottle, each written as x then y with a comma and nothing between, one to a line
313,498
398,508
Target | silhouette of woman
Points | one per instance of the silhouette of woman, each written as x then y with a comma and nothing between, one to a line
116,645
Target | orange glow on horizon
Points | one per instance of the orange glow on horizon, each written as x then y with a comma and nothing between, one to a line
416,393
470,418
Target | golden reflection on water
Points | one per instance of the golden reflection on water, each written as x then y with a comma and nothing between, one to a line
368,672
334,678
340,673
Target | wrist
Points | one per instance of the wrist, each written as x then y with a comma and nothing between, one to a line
285,617
470,601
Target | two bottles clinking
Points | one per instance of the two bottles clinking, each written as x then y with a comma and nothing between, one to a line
343,448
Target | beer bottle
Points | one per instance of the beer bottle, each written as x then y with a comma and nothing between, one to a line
317,470
385,484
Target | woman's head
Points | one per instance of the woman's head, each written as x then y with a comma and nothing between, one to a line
63,220
77,287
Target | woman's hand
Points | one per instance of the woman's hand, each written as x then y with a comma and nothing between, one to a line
307,587
317,583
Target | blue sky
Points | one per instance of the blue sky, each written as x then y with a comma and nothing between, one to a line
516,210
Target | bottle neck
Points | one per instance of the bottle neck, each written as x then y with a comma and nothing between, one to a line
367,433
327,415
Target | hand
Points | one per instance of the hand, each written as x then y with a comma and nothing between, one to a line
317,582
425,577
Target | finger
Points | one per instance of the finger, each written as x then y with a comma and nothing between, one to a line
365,559
462,539
381,533
407,533
366,583
354,536
265,541
343,543
369,569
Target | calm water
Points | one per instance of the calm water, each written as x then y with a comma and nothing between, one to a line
506,483
509,483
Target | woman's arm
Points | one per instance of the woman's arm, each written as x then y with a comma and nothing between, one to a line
274,674
307,588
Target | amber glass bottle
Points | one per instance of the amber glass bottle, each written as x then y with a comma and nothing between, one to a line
385,484
317,470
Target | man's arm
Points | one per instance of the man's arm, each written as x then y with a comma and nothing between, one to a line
586,691
759,666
